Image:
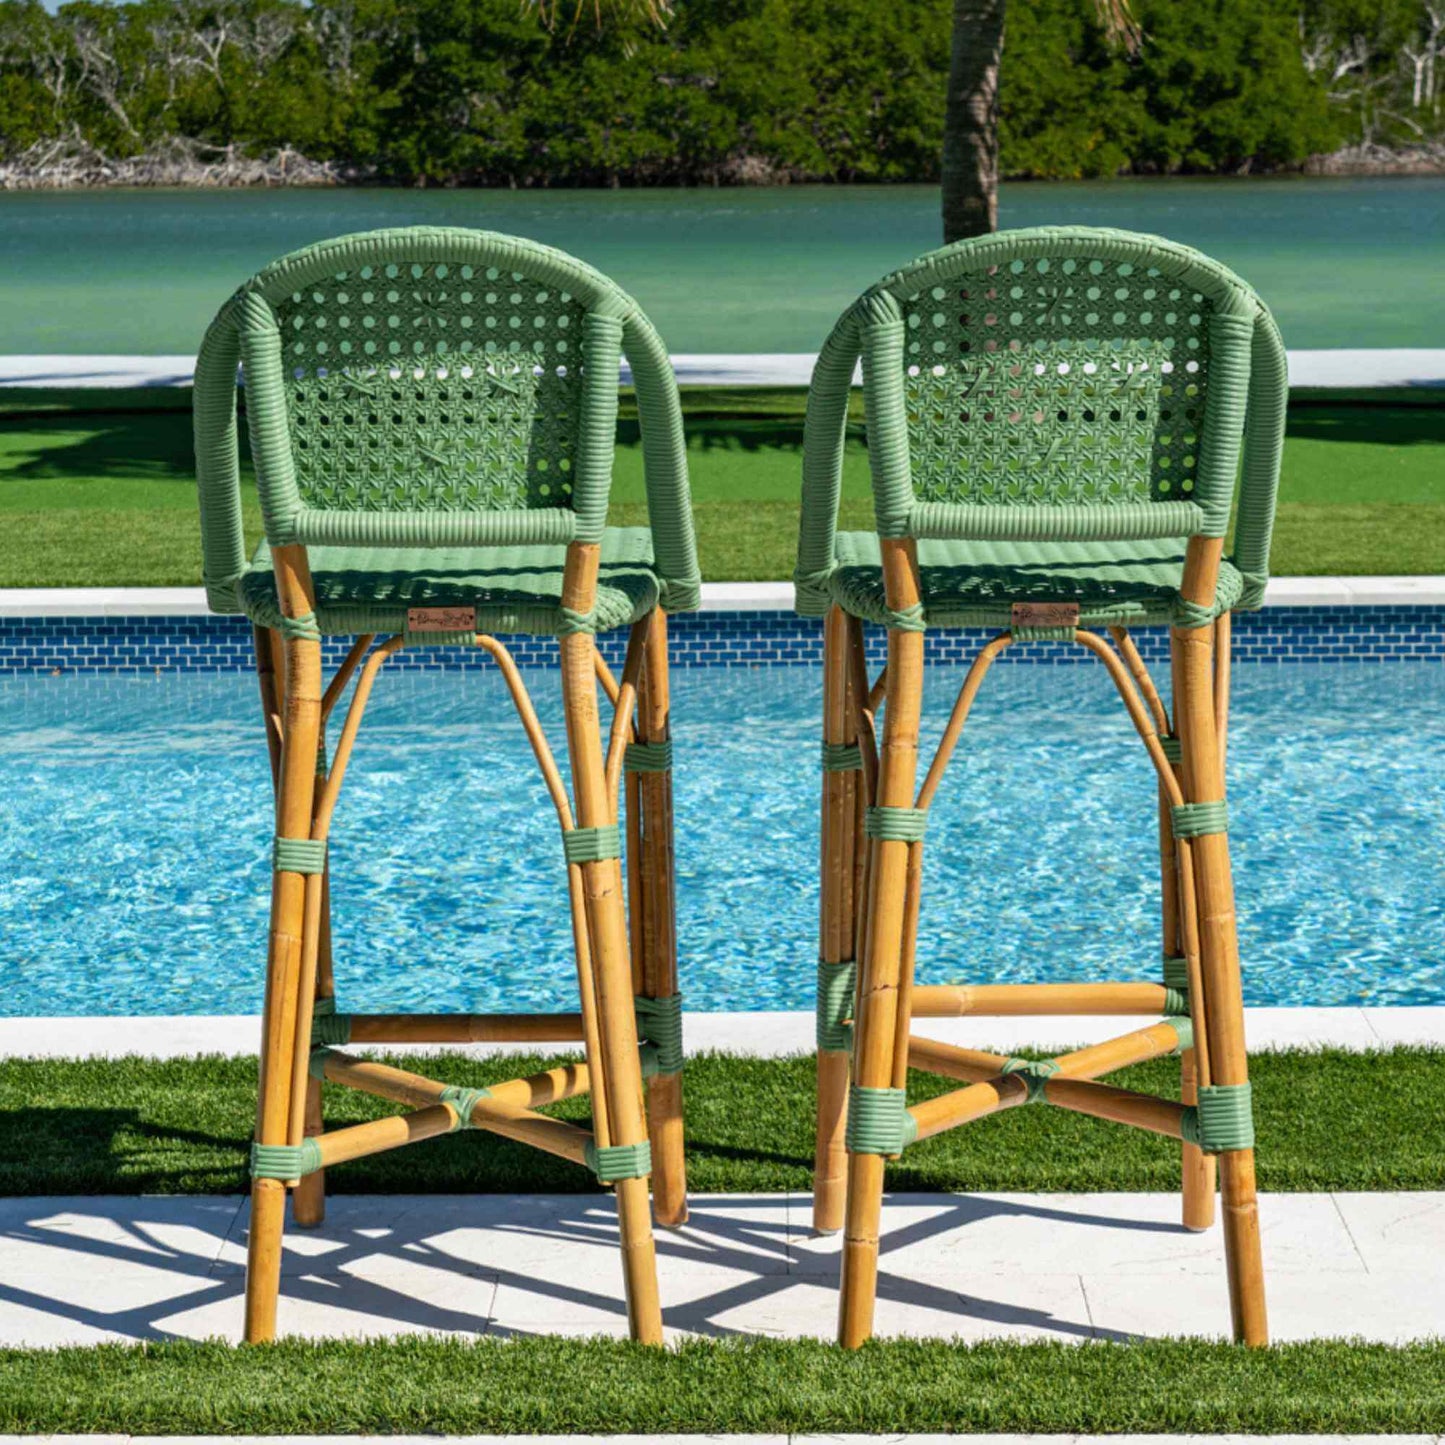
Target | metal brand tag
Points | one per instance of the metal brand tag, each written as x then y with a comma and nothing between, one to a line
1045,614
445,619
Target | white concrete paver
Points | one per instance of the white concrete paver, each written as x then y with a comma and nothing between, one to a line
1053,1266
761,1035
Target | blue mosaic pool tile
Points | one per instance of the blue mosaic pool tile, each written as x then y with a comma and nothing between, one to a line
708,639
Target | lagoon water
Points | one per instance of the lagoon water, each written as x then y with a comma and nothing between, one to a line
1343,262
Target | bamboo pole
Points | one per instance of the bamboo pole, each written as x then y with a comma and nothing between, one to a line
378,1135
1223,657
972,1066
655,949
283,968
1120,1106
962,1106
465,1028
1219,947
837,925
884,951
963,704
1197,1172
1007,1000
625,706
1132,1048
618,1070
551,1086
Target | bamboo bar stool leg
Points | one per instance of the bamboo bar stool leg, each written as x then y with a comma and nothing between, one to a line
1194,664
297,774
649,795
878,1046
308,1199
838,923
1197,1169
618,1073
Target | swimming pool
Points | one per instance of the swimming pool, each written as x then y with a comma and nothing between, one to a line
134,861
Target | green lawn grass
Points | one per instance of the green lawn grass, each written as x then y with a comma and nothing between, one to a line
107,498
542,1385
1328,1119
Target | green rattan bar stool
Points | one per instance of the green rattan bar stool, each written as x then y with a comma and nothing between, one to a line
1058,421
432,416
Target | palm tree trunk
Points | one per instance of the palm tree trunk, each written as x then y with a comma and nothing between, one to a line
970,123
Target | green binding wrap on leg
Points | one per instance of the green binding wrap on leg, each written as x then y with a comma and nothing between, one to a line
298,855
842,758
1182,1025
1196,820
837,983
316,1063
592,845
619,1161
1034,1072
285,1161
1176,974
897,825
647,757
1173,748
1222,1120
878,1121
328,1026
659,1023
1042,634
463,1101
303,628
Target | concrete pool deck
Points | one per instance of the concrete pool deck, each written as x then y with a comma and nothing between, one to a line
1064,1267
759,1035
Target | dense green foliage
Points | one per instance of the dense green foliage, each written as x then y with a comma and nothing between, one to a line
479,91
544,1385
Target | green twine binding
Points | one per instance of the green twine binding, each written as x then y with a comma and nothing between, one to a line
910,619
298,855
837,983
619,1161
1173,748
285,1161
1182,1025
570,623
1196,820
320,757
842,758
463,1101
896,825
1176,1000
328,1026
1034,1072
1222,1120
1176,974
878,1121
300,629
1192,614
592,845
316,1064
1042,634
648,757
659,1022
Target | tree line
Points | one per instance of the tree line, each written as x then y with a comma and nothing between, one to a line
430,92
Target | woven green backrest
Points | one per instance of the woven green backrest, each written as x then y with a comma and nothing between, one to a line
1053,384
1073,380
434,387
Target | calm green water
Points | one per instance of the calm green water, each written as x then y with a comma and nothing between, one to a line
1344,263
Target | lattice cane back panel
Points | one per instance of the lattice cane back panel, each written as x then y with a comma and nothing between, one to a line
1073,380
427,386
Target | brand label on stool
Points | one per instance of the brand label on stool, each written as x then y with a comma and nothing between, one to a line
445,619
1045,614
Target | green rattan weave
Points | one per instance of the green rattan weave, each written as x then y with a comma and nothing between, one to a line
1057,411
439,391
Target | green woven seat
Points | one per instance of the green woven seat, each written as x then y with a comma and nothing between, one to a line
975,584
513,589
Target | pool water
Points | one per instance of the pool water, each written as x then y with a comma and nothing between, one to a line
134,858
